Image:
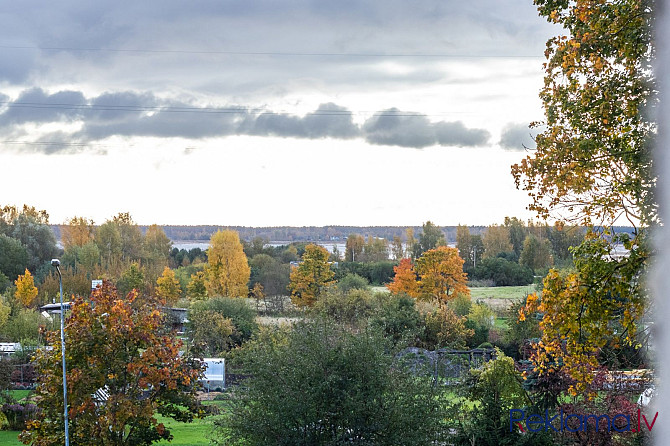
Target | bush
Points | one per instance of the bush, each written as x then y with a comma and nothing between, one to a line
327,386
352,282
377,273
398,320
242,316
18,415
503,272
351,308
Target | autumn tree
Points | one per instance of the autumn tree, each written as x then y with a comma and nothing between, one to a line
441,275
599,305
405,279
227,269
168,288
76,231
354,248
197,288
496,240
156,248
122,371
592,165
311,276
26,291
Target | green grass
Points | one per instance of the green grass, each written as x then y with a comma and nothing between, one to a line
501,292
19,394
9,438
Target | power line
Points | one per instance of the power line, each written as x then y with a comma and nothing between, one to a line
277,53
211,110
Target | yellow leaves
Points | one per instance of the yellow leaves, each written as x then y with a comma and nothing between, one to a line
311,276
227,270
168,288
441,275
26,291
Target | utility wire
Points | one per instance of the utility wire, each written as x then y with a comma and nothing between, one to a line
209,110
277,53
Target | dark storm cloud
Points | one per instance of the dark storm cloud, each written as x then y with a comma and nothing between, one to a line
396,128
518,136
36,106
328,121
129,114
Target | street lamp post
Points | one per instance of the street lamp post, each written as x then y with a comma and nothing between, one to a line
56,263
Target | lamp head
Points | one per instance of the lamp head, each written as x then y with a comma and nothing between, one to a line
55,262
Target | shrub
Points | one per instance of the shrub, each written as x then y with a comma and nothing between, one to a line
242,316
352,282
18,415
327,386
503,272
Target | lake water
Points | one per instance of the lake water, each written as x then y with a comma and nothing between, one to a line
191,244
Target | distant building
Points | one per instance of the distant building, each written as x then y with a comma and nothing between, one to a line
9,348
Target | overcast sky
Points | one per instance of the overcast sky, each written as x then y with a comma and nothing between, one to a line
266,113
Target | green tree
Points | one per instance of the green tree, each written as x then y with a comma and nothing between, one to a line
108,240
492,390
130,235
37,238
227,269
517,233
536,253
496,241
375,250
89,256
131,279
156,249
431,237
334,387
119,349
464,245
13,257
311,276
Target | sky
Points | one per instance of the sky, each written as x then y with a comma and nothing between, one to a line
269,113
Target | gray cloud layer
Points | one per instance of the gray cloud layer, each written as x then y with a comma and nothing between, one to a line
142,114
518,136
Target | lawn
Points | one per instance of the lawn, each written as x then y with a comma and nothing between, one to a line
196,433
501,292
9,438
